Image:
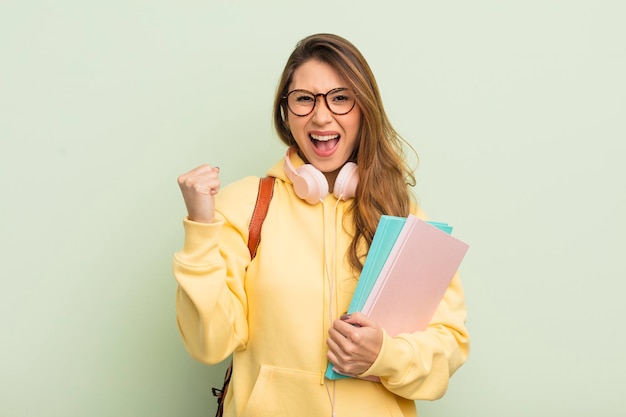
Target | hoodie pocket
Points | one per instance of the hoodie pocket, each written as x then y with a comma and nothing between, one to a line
287,392
281,392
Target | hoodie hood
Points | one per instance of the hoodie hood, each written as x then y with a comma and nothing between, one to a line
278,169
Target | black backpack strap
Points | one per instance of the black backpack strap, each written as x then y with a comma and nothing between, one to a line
221,393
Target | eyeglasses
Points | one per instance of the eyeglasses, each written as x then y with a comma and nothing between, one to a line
338,100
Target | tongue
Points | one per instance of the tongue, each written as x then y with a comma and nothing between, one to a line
325,145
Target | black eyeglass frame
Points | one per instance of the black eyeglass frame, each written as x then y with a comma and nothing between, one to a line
315,96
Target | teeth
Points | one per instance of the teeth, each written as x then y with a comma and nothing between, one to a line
324,138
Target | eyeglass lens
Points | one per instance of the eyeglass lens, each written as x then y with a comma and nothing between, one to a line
339,101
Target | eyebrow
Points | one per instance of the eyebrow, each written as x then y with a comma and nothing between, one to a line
309,91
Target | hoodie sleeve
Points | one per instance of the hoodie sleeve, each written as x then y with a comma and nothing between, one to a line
211,302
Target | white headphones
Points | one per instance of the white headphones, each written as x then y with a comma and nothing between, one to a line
311,185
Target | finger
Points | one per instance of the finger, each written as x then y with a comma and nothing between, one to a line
348,342
337,356
201,171
341,329
200,181
196,171
333,351
213,181
214,188
359,319
338,338
204,185
342,362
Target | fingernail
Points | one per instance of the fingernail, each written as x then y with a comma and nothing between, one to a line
345,317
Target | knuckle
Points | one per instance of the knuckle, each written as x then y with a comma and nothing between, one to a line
351,350
354,337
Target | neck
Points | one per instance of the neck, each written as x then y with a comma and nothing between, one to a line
330,178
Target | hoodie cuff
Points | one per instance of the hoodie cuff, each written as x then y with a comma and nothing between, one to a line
394,351
201,245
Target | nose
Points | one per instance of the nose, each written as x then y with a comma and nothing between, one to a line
321,113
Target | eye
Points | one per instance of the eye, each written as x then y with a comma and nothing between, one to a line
303,98
342,97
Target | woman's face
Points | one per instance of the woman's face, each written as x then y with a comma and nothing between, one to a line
326,140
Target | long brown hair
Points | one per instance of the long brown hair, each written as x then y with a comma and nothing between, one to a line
384,176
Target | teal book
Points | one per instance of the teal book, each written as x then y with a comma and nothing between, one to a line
385,237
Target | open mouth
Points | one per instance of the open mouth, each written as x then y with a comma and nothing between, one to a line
324,142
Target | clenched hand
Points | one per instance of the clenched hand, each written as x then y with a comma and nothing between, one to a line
199,187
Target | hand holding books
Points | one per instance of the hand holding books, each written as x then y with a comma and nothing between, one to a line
354,343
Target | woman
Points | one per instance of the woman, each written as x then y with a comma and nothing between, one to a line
282,313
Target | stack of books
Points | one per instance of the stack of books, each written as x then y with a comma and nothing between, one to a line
408,269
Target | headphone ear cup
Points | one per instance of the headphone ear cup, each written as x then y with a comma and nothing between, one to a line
310,184
346,182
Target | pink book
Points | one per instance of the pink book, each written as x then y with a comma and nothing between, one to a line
415,277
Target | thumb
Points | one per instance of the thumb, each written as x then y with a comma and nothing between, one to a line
217,173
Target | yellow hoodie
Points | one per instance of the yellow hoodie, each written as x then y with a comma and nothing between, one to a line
274,312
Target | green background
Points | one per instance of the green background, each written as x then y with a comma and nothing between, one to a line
517,110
